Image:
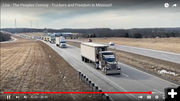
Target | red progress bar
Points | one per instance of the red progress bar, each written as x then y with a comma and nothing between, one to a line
78,92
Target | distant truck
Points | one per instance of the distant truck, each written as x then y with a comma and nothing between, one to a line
52,39
61,42
103,59
47,38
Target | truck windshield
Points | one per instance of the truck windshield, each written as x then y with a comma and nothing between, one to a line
63,42
109,58
109,53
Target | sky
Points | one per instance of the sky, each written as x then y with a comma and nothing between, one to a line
122,14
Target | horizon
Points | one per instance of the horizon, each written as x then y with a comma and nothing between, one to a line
95,28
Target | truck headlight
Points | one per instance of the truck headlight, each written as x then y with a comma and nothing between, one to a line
107,68
118,68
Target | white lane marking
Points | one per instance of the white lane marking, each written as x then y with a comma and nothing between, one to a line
125,74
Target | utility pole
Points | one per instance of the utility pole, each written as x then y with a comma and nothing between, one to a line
15,26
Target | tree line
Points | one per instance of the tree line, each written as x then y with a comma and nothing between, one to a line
107,32
4,37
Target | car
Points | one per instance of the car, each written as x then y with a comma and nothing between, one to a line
89,40
111,44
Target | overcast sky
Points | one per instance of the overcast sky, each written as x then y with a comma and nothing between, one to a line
129,14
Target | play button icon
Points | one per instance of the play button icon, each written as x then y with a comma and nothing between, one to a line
172,94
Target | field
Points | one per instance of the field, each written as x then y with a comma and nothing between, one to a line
163,44
32,66
33,34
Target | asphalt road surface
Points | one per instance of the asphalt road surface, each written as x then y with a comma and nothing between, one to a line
162,55
130,80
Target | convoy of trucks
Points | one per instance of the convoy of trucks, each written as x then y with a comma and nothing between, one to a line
61,42
94,53
103,59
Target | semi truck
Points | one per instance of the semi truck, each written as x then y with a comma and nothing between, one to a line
52,39
47,38
61,42
103,59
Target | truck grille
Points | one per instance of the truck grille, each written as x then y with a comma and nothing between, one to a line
113,66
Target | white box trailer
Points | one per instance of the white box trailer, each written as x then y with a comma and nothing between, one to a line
57,41
103,59
90,50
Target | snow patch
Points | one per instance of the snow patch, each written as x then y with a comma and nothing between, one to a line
167,72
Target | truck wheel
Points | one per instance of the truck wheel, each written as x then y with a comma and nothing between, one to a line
85,60
82,58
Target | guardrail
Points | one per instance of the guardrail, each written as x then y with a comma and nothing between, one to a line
94,86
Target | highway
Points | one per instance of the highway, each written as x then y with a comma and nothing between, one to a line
162,55
130,80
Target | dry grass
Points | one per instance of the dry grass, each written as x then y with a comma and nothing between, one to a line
34,34
28,65
164,44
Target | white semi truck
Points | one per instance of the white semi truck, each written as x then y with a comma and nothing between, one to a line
61,42
103,59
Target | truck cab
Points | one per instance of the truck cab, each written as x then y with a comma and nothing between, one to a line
62,42
52,40
108,62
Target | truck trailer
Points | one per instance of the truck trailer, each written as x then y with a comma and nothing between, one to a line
103,59
61,42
